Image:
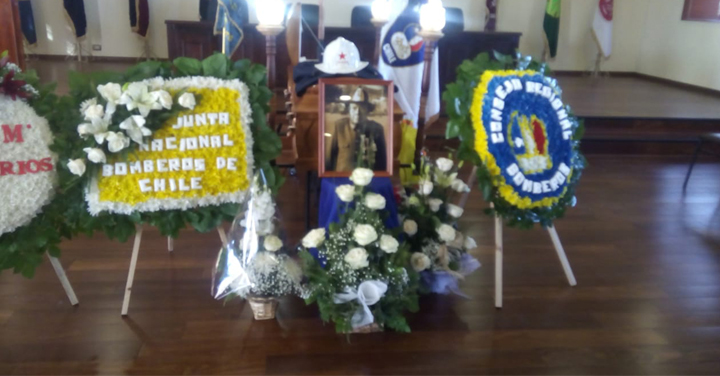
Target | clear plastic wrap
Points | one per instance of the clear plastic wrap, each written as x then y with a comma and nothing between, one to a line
255,263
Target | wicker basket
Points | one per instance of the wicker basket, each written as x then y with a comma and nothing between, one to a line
263,308
370,328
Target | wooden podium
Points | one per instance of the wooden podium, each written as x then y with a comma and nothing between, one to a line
11,38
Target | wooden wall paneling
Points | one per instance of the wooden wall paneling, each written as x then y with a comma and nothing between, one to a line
10,32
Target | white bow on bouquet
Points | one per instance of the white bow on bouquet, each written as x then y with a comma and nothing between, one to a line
367,294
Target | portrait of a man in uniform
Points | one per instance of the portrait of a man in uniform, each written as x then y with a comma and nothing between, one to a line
355,128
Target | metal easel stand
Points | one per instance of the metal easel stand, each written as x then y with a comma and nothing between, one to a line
499,250
134,258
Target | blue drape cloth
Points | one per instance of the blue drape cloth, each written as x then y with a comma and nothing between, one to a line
331,207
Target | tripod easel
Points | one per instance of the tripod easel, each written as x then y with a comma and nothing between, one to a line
499,250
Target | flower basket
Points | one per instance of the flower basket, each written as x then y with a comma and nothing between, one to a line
370,328
264,308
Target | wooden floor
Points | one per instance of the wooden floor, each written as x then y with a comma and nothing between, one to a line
647,259
636,97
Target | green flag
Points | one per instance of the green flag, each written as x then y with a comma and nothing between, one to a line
551,25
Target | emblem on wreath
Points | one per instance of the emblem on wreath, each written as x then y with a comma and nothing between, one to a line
528,141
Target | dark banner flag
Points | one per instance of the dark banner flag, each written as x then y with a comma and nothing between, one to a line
75,11
231,15
208,10
139,16
27,21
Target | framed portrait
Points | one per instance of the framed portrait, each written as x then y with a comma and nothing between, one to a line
701,10
355,126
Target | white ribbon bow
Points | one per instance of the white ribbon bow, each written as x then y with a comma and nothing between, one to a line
367,294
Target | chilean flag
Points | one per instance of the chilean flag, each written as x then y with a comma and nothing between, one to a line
602,26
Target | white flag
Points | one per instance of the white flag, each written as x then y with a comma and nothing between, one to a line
402,61
602,26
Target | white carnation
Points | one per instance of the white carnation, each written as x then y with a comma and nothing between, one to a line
389,244
95,155
76,166
314,238
94,112
446,233
345,192
375,201
364,234
410,227
435,204
357,258
361,176
444,164
187,100
454,211
419,261
272,243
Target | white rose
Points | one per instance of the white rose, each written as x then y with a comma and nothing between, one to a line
444,164
364,234
446,232
375,201
426,187
454,211
345,192
459,186
435,204
389,244
76,166
93,112
470,243
272,243
187,100
419,261
164,98
410,227
361,176
314,238
117,141
111,92
357,258
95,155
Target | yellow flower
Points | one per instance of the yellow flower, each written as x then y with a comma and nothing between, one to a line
125,189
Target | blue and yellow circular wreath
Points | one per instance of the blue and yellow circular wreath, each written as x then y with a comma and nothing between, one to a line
515,127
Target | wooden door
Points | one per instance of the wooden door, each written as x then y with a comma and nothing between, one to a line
10,32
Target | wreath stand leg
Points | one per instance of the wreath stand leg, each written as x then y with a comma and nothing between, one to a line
64,280
171,244
561,255
131,272
223,236
498,261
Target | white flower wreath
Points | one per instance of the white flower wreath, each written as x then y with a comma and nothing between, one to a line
26,194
